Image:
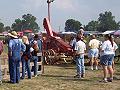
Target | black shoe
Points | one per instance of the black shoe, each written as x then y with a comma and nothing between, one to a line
11,82
22,78
29,77
17,81
83,75
77,76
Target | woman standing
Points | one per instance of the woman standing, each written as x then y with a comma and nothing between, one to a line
107,57
26,59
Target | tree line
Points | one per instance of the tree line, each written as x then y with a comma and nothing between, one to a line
105,21
28,21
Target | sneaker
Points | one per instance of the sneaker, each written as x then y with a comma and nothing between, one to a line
91,67
96,68
109,79
77,76
35,75
21,78
104,81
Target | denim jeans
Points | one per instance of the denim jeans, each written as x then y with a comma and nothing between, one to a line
35,60
80,64
14,64
26,67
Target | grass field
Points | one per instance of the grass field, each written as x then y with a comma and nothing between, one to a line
61,78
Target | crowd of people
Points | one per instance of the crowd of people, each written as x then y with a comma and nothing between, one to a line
25,49
105,50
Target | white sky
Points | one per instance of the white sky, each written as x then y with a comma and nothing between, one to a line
61,10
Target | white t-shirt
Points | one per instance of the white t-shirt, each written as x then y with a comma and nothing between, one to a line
107,47
80,47
94,43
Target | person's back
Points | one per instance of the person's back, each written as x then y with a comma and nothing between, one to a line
16,47
93,52
94,43
108,48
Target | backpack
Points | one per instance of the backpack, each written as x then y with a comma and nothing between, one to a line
1,47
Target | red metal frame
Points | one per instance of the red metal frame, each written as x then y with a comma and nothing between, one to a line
53,41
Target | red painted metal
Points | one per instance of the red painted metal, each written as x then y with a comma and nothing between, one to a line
28,31
53,41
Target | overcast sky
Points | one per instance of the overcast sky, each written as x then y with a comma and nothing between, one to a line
61,10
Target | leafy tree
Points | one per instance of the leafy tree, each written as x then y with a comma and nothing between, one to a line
92,26
107,22
72,25
1,27
7,28
28,22
17,26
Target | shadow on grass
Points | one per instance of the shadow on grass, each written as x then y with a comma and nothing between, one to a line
55,76
67,78
76,79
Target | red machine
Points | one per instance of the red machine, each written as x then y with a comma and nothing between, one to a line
54,45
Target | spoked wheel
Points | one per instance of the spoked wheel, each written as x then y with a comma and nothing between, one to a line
50,57
46,54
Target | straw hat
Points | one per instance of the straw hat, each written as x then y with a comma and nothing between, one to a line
13,34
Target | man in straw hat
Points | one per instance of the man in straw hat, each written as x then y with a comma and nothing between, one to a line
16,47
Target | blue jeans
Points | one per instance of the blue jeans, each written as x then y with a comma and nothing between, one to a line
35,60
26,67
107,59
80,64
14,64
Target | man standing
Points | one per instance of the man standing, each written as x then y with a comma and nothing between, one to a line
80,48
16,48
93,51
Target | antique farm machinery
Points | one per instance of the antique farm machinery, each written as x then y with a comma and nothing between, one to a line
54,48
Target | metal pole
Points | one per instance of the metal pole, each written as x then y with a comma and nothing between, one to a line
48,1
49,11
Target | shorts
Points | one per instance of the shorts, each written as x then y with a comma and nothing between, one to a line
107,59
93,53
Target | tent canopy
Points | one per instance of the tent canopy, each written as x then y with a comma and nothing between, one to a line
117,32
108,32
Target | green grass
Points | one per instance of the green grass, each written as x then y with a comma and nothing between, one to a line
61,78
